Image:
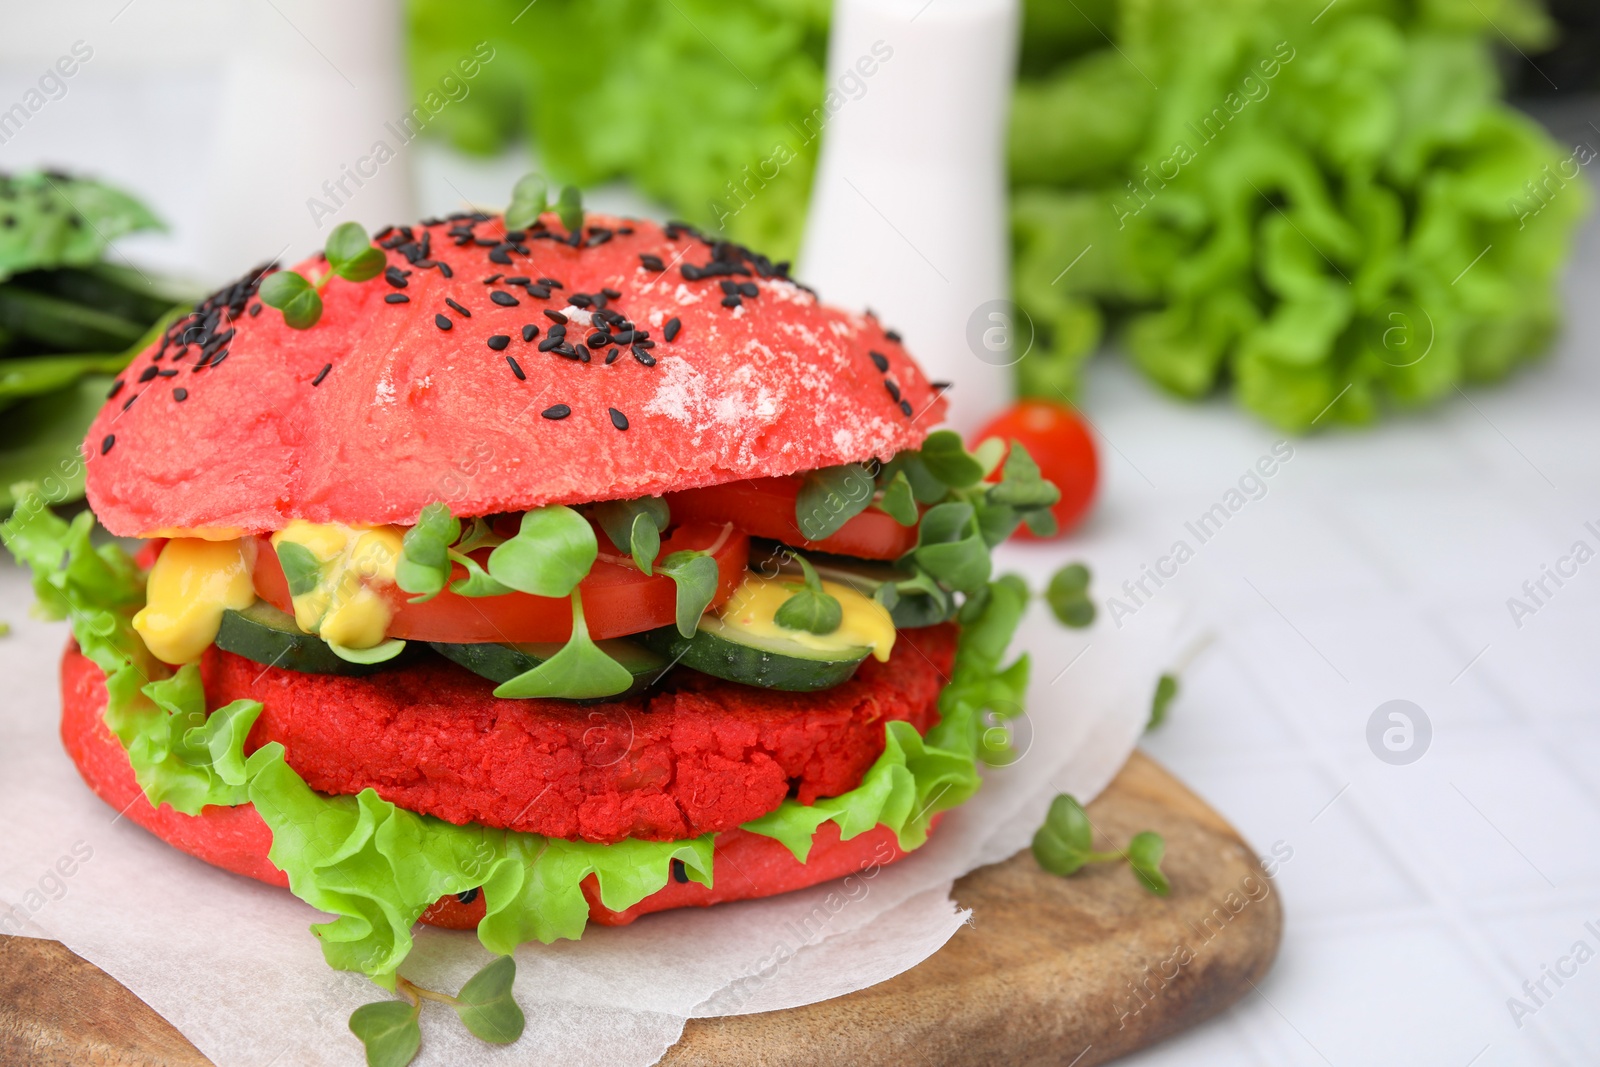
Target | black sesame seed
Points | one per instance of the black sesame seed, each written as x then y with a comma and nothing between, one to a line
583,354
894,390
905,406
500,255
555,316
516,368
611,356
458,309
652,262
643,357
880,361
581,300
468,897
321,374
598,319
598,339
611,294
538,292
148,374
499,342
942,387
552,283
128,403
106,443
529,332
216,360
442,322
671,331
180,394
729,287
680,873
504,299
558,330
749,289
549,344
556,411
395,277
444,268
624,337
491,279
116,387
397,298
731,301
255,309
690,272
168,373
618,419
520,279
892,335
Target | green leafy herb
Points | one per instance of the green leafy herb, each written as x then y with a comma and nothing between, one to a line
1064,845
951,547
486,1006
424,565
301,569
830,497
898,501
1021,485
64,221
1145,851
696,576
634,526
580,671
569,208
810,609
551,553
351,255
948,460
291,294
477,582
389,1031
1068,596
530,198
1166,690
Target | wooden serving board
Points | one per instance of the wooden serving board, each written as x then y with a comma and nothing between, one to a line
1053,970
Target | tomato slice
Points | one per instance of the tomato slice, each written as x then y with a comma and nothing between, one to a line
617,598
765,507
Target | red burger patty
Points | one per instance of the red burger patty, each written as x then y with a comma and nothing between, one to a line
704,756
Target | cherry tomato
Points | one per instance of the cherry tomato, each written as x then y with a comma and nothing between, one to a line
765,507
1056,439
617,598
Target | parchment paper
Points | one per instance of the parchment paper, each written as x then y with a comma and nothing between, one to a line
231,963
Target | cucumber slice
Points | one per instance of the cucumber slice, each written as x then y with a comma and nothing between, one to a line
503,662
262,633
736,655
911,610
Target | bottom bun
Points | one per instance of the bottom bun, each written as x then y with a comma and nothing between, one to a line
745,865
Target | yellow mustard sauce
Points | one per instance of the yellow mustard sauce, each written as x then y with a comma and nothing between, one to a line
864,624
192,583
343,607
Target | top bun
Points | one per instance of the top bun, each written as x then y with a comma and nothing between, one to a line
382,408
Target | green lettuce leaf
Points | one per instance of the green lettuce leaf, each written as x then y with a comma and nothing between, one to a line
60,221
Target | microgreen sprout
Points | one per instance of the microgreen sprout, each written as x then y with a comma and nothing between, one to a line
1166,690
810,608
351,255
391,1032
1064,845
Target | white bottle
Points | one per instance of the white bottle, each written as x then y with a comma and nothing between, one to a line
908,213
314,107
